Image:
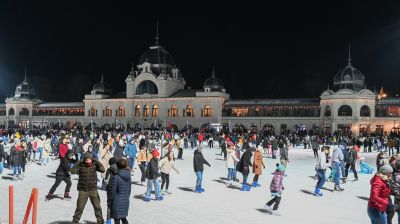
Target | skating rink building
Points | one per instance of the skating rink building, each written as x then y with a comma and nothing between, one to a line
157,96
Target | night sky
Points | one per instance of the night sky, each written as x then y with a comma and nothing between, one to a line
259,51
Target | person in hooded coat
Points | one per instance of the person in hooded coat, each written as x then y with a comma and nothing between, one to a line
243,166
198,164
62,174
120,191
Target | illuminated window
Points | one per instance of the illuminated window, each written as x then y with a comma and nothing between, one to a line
146,111
189,111
207,111
121,112
137,111
92,112
173,112
154,112
107,112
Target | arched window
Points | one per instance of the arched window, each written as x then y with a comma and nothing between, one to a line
11,112
107,112
327,111
173,112
121,111
345,111
207,111
146,111
92,112
137,111
23,112
365,111
147,87
154,112
189,111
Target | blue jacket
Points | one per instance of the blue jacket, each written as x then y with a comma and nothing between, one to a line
130,150
119,192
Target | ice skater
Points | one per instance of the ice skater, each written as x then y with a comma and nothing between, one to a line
62,174
276,189
198,164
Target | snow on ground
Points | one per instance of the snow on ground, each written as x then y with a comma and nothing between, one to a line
218,204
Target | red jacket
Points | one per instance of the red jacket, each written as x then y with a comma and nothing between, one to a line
380,192
62,150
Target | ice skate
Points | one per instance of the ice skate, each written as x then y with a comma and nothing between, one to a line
268,208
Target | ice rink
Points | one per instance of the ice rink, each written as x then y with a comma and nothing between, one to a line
218,204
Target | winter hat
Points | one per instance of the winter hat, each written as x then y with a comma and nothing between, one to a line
112,161
281,168
156,153
70,153
362,159
87,155
386,169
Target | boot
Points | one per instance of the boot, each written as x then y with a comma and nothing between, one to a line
257,184
244,188
197,190
254,184
49,196
338,188
201,189
317,192
67,196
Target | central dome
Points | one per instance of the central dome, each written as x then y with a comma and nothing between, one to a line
161,61
25,90
213,83
102,87
349,78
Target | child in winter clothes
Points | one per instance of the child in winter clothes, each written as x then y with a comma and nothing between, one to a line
365,168
276,188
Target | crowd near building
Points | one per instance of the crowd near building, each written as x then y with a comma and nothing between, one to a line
157,96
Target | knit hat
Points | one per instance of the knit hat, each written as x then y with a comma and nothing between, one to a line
156,153
87,155
281,168
386,169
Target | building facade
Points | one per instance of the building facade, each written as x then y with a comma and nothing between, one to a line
157,96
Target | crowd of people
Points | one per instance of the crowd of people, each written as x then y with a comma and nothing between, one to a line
105,159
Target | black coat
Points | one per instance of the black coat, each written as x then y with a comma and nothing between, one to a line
152,169
119,152
2,154
17,156
87,175
119,193
64,167
199,161
244,163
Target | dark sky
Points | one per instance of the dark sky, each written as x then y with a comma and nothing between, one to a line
259,51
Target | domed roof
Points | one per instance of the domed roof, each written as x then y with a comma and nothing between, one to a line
349,78
214,83
102,87
157,55
25,90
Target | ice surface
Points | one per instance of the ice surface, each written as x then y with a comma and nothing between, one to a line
218,204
